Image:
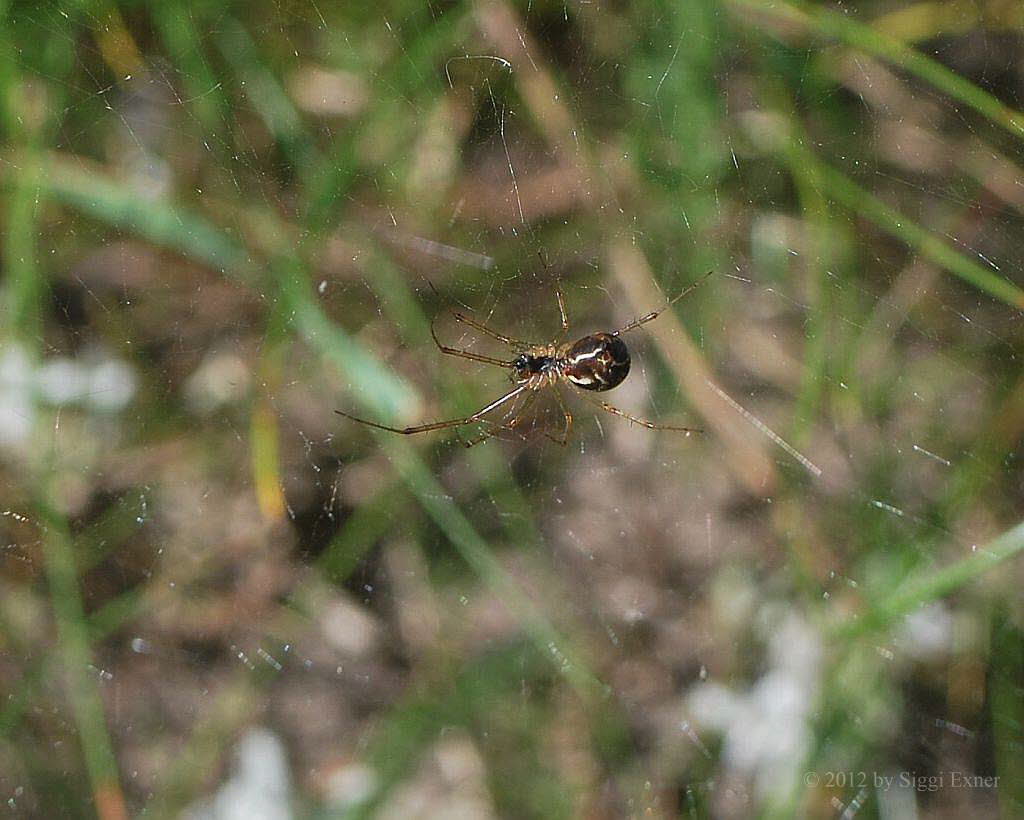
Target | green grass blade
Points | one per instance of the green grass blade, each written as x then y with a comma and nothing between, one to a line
926,587
845,29
75,654
862,202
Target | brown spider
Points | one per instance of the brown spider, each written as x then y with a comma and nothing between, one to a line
597,362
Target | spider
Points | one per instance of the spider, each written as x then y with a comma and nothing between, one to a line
595,363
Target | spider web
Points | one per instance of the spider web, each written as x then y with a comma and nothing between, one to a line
225,222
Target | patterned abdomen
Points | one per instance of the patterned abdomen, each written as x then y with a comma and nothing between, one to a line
597,362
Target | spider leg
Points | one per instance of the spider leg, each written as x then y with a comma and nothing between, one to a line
564,440
501,337
650,317
650,425
440,425
491,431
465,354
517,416
561,302
561,311
464,319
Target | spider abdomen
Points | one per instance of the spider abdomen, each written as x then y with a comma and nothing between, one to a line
599,361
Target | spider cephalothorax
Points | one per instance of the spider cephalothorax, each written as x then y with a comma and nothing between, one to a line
535,363
596,362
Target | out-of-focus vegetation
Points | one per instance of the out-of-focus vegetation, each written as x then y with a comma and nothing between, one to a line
223,221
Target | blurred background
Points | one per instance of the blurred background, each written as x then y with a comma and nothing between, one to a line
223,221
